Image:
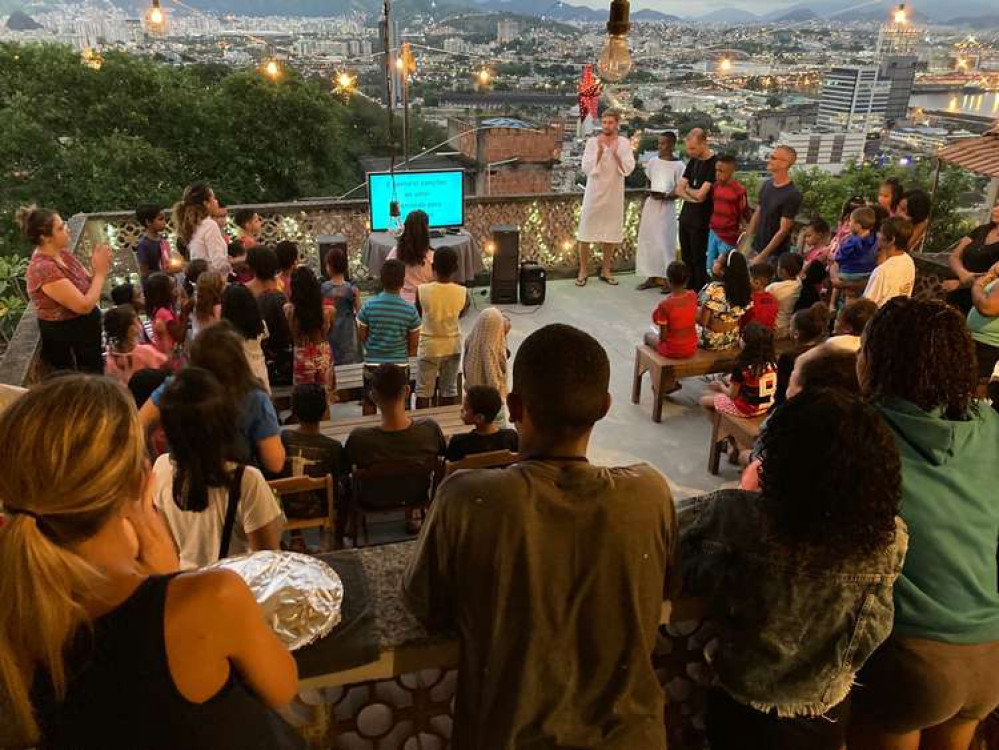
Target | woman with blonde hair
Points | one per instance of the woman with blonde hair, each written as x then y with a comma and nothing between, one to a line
486,355
198,232
102,643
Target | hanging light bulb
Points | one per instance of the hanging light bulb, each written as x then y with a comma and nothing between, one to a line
272,69
725,65
614,63
483,77
155,18
900,15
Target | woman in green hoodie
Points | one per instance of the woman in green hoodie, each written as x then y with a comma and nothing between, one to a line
937,677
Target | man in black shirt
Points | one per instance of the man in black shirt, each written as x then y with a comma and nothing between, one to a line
482,404
780,201
695,216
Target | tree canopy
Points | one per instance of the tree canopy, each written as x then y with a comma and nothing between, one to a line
82,140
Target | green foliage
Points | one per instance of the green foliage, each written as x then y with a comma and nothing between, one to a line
13,294
137,131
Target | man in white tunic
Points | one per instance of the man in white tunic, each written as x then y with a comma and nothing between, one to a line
608,159
658,231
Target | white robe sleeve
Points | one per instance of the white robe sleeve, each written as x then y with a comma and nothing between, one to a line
590,158
627,156
217,251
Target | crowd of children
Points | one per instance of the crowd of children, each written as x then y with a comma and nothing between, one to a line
793,292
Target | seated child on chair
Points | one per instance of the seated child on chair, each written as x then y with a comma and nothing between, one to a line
481,405
675,317
754,379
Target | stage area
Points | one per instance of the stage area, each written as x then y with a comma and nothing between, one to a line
617,317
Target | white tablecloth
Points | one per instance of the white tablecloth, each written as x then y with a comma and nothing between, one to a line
379,244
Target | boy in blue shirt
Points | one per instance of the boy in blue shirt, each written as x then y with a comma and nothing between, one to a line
857,256
388,327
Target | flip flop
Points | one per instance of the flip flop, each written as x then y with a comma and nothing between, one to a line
608,280
581,281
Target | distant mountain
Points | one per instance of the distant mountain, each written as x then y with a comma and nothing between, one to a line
798,15
21,21
978,22
728,15
647,14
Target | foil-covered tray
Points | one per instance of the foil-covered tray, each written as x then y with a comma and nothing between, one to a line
300,595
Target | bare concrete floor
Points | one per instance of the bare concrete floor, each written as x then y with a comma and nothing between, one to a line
618,317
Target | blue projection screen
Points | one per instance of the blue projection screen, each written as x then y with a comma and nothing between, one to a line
438,192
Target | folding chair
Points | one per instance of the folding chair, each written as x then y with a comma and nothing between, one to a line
302,485
490,460
390,487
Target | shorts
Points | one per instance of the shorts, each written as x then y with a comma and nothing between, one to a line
716,246
726,405
431,369
369,370
914,683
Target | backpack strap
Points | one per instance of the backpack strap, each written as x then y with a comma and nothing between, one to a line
235,490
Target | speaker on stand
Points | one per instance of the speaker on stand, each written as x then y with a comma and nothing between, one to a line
506,265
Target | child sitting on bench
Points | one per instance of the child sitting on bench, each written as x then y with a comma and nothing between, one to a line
675,317
481,406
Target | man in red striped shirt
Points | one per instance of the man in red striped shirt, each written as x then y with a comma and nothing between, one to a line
730,212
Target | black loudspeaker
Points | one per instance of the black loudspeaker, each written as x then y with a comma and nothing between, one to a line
506,265
533,284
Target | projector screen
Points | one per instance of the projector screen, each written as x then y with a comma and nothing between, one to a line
439,192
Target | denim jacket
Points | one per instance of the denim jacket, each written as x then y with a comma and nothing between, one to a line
793,629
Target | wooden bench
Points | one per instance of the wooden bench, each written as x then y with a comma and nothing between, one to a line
744,430
447,417
664,372
349,385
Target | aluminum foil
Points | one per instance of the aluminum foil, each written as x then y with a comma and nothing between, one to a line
300,595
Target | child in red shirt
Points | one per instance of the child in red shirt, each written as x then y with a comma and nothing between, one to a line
730,211
765,306
675,317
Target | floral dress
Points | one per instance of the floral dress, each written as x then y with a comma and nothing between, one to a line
313,360
712,296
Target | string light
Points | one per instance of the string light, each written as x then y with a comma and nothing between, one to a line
345,83
155,19
92,58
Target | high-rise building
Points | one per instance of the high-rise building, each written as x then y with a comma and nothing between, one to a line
507,31
900,74
853,98
897,61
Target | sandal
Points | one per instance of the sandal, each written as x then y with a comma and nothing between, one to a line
608,280
581,281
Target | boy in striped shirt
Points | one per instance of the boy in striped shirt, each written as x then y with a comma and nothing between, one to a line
388,326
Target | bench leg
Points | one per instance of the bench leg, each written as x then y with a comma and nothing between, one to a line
636,383
662,380
714,454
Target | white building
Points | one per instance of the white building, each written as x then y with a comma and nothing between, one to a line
831,152
925,139
853,98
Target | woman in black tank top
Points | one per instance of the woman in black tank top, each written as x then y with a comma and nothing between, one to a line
102,644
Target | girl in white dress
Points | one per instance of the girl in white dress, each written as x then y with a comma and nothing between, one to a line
657,234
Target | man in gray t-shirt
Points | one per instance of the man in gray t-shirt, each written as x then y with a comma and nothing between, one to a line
780,201
552,571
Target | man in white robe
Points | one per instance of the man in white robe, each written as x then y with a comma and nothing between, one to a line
657,234
607,160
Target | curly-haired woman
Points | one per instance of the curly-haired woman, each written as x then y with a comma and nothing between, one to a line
799,576
938,675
